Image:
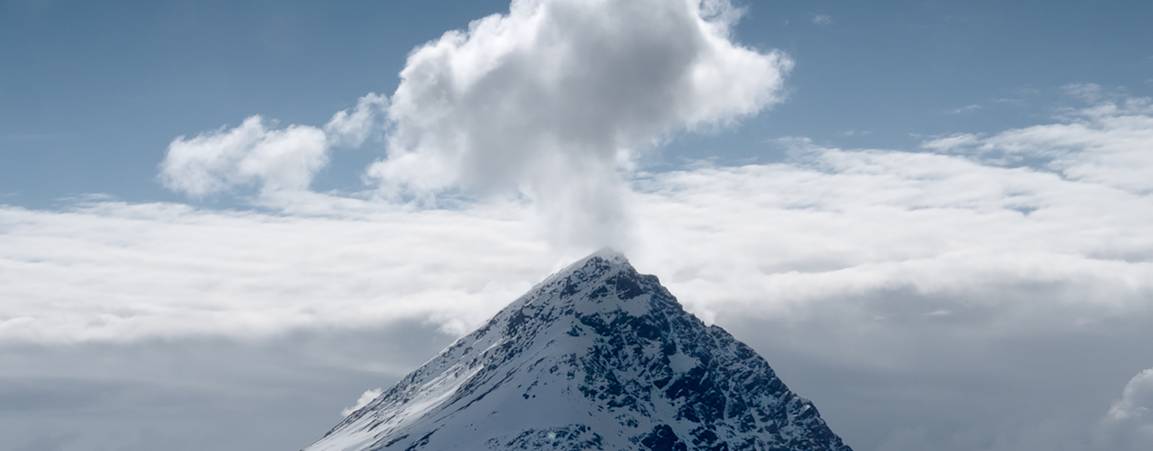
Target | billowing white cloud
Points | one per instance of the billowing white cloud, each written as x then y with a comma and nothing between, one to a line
217,161
1128,426
554,98
257,152
551,102
362,401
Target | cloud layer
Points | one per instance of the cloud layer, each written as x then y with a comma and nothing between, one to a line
968,235
854,270
929,285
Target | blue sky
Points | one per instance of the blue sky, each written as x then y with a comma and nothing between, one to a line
91,94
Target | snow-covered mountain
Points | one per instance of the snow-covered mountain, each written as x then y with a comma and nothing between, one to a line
595,357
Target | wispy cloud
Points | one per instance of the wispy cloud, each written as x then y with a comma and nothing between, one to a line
362,401
971,108
1089,92
1104,143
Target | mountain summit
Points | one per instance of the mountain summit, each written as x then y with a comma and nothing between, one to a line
595,357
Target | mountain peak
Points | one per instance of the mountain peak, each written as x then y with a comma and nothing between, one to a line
608,254
605,256
597,356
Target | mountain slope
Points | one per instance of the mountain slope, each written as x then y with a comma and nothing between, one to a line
595,357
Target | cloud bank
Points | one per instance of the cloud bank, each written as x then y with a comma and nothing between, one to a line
916,236
856,271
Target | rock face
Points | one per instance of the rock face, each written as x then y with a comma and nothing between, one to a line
595,357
